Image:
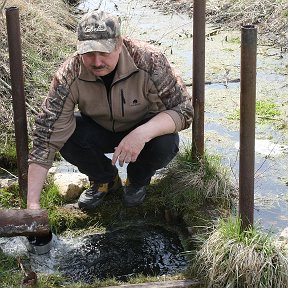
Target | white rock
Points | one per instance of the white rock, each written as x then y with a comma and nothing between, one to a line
4,183
71,184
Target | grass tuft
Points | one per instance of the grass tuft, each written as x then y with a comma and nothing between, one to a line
231,258
201,180
265,111
190,187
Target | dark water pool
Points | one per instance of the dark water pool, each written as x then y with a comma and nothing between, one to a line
123,253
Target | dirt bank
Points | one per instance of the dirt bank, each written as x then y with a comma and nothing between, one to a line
271,17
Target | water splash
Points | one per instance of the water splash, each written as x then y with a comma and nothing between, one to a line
121,253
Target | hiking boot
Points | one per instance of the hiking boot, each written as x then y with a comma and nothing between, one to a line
133,196
94,196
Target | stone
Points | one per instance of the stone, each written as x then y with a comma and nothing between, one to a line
70,185
4,183
284,233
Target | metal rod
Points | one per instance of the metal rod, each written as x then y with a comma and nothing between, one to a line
198,86
17,84
247,125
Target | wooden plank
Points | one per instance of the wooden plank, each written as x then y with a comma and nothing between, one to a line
164,284
23,222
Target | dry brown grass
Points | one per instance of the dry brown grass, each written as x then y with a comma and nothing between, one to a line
46,41
207,179
271,17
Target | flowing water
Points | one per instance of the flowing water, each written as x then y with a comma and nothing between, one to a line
122,253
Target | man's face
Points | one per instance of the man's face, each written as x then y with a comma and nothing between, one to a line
100,63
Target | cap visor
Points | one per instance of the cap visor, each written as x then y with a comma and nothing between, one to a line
102,45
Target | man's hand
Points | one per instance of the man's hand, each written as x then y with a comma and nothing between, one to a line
132,144
130,147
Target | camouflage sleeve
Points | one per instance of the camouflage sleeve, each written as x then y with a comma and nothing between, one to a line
56,123
169,86
172,92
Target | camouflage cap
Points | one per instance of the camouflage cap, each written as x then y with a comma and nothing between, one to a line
98,31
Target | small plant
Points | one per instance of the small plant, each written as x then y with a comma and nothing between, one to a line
8,267
10,197
234,258
265,110
205,177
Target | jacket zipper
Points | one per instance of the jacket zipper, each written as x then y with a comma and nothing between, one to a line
109,99
122,99
123,102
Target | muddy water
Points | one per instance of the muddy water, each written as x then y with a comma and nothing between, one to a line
172,34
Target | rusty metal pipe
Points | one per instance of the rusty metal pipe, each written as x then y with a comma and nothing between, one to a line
198,87
24,222
247,125
17,85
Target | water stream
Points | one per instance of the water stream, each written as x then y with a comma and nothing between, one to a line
121,253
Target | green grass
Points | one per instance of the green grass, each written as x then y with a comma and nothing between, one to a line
8,157
265,111
230,257
10,197
191,196
234,40
50,196
190,188
8,267
231,230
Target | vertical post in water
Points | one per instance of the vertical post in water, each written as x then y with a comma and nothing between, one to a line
198,87
17,84
247,125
